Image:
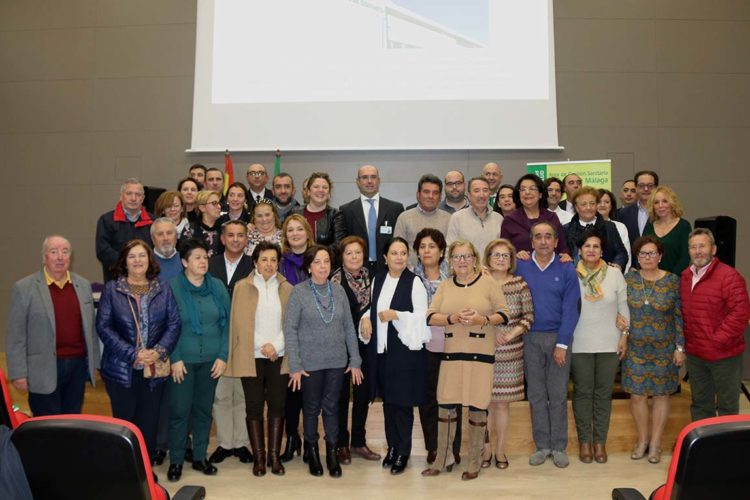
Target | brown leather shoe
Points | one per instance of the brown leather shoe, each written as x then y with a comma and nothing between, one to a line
431,456
344,455
600,453
366,453
468,476
585,454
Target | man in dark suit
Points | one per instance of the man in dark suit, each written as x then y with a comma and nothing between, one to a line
229,400
257,178
635,216
371,217
51,343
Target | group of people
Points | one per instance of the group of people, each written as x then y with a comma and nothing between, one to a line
220,306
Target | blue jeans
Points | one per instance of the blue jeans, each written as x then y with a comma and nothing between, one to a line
68,395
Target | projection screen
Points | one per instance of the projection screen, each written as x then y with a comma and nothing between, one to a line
374,75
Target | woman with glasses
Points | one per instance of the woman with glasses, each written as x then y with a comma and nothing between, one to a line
655,345
169,204
531,199
507,383
469,306
666,223
585,200
207,227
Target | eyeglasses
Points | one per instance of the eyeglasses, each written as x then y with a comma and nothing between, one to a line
215,203
529,189
454,184
647,186
465,258
256,174
498,255
647,255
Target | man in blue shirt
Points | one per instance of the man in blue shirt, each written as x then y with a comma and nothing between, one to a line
556,296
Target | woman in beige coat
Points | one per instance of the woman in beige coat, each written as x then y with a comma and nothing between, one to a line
259,337
469,306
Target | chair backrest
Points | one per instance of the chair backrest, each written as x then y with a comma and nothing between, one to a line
85,457
710,460
7,415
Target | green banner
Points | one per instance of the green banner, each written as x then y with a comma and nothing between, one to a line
595,173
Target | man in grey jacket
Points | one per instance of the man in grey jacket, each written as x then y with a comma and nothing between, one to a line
50,344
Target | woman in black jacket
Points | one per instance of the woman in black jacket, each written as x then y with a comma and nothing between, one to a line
317,212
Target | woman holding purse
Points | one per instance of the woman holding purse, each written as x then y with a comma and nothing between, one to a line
139,325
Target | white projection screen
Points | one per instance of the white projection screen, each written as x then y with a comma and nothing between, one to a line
313,75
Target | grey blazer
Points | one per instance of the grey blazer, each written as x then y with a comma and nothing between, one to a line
30,338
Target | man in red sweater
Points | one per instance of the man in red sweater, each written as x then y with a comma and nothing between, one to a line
715,311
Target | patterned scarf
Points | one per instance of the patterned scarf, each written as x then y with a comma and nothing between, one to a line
592,280
431,286
358,282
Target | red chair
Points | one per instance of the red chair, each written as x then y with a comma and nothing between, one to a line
9,416
89,457
709,462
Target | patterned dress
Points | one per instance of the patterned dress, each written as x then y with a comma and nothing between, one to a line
254,237
655,330
507,381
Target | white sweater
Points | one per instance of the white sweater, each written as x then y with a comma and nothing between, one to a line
597,330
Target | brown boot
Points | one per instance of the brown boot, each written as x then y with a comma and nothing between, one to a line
258,444
600,453
584,453
477,426
447,420
275,430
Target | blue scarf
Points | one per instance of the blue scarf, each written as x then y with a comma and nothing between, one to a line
206,288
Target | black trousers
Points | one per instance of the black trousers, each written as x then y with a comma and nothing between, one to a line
360,406
399,421
292,410
428,412
268,386
320,393
137,404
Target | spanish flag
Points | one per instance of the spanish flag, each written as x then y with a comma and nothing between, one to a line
228,171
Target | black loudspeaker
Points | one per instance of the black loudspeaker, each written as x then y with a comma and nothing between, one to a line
725,234
151,194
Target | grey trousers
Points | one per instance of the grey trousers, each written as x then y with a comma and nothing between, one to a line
229,413
547,390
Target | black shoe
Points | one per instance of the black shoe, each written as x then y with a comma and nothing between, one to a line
293,445
390,457
219,455
313,459
174,473
159,456
399,464
243,454
332,460
188,454
205,467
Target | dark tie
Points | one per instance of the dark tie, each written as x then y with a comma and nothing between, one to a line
257,199
372,223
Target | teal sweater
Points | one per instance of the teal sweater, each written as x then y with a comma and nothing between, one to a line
213,342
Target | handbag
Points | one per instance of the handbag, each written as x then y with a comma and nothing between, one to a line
158,369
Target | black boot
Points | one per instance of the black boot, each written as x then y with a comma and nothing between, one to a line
313,459
332,461
293,445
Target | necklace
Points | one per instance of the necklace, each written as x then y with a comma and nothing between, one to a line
646,297
138,289
320,306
